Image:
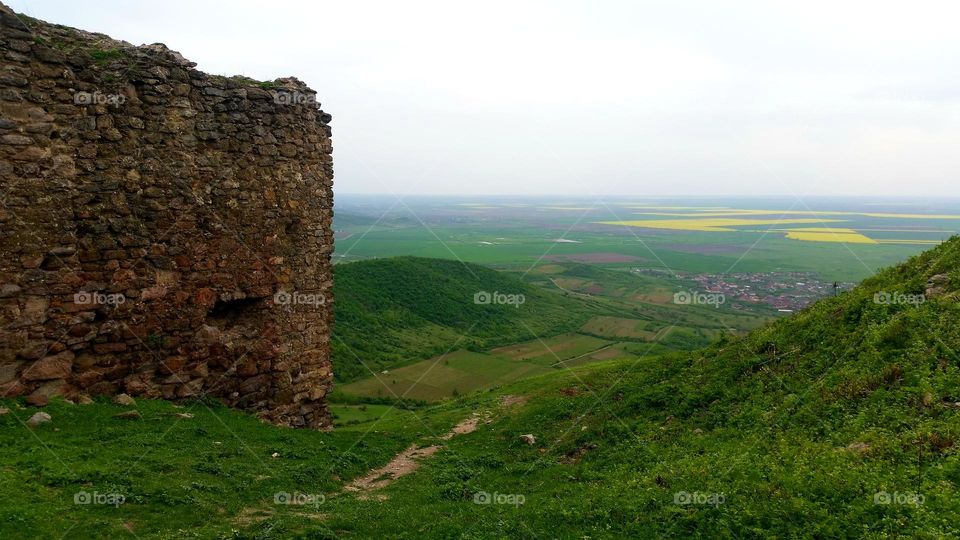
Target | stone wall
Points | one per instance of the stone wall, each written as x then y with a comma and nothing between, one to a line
163,232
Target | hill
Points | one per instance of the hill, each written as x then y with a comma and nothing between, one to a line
393,311
840,421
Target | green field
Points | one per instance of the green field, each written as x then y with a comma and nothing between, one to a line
517,233
445,376
554,349
606,271
421,307
420,311
619,327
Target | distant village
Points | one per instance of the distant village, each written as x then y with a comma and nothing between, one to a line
783,291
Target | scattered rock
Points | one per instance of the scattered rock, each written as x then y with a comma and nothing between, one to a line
4,411
41,396
129,415
84,399
183,415
125,400
937,285
528,438
275,455
39,418
858,447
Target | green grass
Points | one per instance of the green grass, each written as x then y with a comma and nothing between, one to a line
103,56
180,477
361,416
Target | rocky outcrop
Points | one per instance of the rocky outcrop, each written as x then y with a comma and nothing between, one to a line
163,232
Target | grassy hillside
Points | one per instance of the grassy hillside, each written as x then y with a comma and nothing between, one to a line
394,311
840,421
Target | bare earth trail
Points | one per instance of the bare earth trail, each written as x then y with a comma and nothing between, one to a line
409,460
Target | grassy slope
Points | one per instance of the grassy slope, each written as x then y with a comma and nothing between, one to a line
393,311
798,424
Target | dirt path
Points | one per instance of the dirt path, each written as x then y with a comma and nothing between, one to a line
557,285
408,461
584,354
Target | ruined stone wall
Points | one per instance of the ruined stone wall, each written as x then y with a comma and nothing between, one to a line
163,232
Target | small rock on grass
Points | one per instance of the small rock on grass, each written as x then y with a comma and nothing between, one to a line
124,399
4,411
39,418
184,415
528,438
84,400
128,415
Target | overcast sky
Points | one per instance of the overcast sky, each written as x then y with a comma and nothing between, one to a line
601,98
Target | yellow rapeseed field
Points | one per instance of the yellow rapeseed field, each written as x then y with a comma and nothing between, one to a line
827,234
711,224
711,212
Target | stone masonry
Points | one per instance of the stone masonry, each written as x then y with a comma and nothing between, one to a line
163,232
